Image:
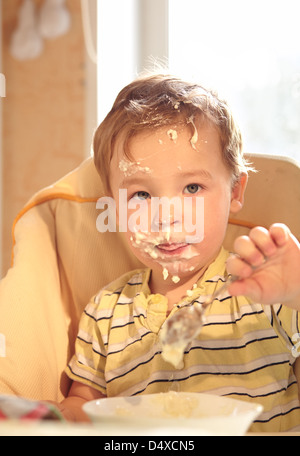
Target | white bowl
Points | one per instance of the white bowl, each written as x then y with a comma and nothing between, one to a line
173,414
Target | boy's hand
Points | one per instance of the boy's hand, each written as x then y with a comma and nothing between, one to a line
268,264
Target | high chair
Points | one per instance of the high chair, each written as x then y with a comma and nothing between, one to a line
60,261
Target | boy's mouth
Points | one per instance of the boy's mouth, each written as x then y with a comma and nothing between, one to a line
172,248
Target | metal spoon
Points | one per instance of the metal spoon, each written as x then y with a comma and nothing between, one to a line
179,330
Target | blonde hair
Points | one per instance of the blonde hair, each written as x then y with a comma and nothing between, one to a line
153,101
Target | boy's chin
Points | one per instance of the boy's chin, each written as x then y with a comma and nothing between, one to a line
180,268
170,266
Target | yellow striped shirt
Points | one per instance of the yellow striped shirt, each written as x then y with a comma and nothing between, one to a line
243,351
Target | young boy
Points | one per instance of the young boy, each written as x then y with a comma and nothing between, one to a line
167,141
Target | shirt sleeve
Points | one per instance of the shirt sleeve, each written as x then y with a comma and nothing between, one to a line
88,363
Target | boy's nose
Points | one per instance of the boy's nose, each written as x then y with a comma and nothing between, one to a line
165,222
165,213
161,224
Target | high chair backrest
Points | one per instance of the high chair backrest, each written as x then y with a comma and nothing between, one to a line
60,260
272,195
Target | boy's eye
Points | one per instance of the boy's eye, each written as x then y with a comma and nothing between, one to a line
192,188
141,195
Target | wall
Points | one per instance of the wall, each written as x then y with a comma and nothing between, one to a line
43,115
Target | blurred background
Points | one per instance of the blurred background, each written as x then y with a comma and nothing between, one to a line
62,63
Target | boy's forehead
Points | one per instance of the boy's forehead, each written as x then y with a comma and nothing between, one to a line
176,139
164,152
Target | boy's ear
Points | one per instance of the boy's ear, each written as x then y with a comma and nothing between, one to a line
238,192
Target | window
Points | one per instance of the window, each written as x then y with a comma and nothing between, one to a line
132,34
117,49
249,52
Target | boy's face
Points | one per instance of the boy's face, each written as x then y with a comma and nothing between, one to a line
179,194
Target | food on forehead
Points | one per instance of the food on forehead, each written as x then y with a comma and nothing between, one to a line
172,134
194,138
129,168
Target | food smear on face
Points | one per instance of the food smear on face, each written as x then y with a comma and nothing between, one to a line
173,264
165,273
194,138
129,168
172,134
175,278
191,292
